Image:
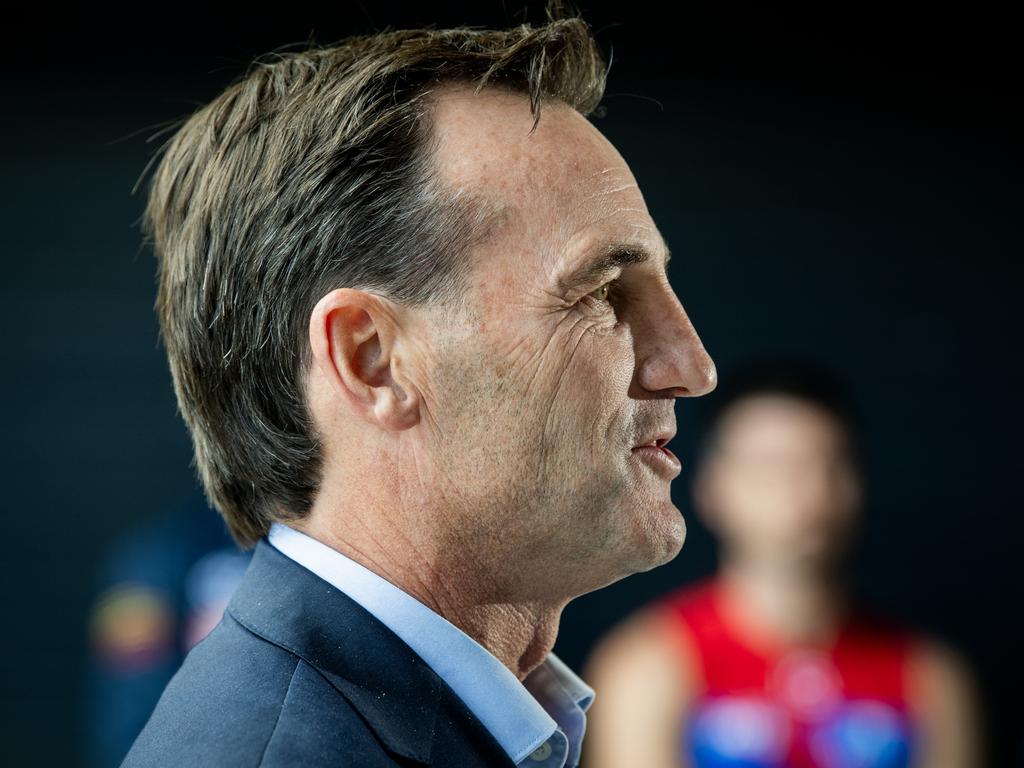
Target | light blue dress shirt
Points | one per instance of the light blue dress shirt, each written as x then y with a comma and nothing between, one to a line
539,722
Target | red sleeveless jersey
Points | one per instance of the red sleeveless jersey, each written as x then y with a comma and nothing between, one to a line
840,705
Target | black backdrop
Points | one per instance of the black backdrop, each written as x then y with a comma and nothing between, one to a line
844,186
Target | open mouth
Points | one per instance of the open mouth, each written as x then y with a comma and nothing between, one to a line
659,457
659,444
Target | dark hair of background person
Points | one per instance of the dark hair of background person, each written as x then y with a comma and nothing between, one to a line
802,378
314,171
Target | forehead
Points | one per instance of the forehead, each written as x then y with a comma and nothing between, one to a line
564,186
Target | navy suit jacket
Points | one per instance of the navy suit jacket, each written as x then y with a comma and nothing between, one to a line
298,674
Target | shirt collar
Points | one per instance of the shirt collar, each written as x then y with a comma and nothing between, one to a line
520,715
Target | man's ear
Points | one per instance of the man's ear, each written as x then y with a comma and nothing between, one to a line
352,334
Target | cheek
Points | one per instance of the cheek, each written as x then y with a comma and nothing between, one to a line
532,390
606,361
596,385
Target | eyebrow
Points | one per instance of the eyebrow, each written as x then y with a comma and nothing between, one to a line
610,257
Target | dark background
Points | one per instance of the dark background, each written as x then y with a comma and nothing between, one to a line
843,186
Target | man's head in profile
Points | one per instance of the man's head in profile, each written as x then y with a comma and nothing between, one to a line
415,306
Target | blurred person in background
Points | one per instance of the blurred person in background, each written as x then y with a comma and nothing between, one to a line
770,662
161,589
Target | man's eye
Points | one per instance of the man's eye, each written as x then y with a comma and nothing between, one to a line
602,293
603,299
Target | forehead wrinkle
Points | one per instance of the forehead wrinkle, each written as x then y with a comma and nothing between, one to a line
612,198
606,189
617,189
609,214
605,221
603,171
559,182
608,251
595,206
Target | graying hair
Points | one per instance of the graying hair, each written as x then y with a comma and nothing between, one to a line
313,171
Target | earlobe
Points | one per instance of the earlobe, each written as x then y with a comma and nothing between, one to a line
352,340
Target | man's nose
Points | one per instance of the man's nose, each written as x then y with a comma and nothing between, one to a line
671,355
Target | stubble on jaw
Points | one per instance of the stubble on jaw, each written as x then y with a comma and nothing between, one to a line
525,497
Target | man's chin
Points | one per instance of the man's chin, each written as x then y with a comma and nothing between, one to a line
646,536
663,540
676,540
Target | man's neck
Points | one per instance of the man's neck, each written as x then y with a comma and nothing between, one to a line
519,634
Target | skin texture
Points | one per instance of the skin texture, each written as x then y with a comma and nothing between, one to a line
481,461
783,499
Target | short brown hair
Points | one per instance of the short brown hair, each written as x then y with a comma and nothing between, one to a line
312,171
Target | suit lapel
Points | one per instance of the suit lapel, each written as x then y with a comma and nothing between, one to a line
412,710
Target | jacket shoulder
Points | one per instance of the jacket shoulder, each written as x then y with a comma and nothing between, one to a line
241,701
318,727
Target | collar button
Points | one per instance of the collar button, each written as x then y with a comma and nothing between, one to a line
543,752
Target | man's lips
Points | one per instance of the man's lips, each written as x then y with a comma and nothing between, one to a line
660,457
658,445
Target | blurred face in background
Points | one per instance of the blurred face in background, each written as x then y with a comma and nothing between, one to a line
779,483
